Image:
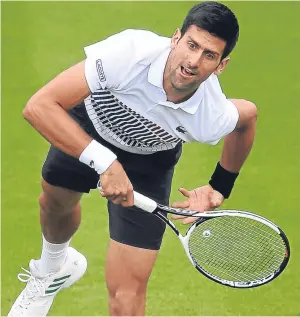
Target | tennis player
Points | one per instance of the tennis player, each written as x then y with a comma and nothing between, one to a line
121,116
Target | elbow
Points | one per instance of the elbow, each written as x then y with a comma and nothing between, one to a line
27,111
248,115
252,112
31,110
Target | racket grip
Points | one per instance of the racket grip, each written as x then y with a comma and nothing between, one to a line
140,201
143,202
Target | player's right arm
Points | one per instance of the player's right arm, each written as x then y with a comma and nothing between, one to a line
46,111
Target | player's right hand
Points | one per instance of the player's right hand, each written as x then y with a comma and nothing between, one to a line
116,186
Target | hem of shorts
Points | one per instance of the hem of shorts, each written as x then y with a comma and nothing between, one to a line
137,245
65,186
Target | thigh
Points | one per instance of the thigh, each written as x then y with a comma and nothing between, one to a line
136,228
63,170
128,268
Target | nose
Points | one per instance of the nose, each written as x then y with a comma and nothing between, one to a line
195,59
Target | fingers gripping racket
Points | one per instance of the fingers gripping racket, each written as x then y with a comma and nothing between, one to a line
234,248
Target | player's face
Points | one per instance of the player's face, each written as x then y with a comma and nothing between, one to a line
193,58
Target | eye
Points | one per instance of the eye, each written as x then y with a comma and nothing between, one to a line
209,55
192,46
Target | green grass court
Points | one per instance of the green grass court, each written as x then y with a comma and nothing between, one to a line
40,39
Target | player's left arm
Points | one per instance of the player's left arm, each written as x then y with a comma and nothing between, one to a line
236,148
238,144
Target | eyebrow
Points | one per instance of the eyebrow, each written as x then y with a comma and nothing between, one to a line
205,49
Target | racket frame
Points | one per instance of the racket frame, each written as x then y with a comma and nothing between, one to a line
202,217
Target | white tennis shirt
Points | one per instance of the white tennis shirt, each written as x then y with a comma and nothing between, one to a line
128,105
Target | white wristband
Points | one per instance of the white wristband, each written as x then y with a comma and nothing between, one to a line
97,157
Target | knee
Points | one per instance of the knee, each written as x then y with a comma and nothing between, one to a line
127,302
45,204
56,200
50,204
126,295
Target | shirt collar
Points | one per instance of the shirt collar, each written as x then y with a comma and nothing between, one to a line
155,77
157,67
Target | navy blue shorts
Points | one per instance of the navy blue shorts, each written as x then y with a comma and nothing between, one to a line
150,175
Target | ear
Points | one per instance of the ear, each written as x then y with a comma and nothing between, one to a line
175,38
222,66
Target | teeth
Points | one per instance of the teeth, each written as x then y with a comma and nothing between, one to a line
187,71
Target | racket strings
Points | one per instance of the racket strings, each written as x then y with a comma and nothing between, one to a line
236,248
259,227
224,266
251,251
236,271
237,265
232,234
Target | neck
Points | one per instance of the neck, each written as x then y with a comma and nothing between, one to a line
177,96
173,94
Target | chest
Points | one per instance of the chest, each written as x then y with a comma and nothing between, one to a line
151,102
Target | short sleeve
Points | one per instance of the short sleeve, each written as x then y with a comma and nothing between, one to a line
225,112
106,60
110,61
228,121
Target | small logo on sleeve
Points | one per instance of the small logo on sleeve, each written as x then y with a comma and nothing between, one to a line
181,129
100,70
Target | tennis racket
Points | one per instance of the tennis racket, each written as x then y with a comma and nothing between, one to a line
234,248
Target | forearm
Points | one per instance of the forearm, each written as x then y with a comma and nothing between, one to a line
54,123
237,147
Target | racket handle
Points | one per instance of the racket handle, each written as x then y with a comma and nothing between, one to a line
143,202
140,201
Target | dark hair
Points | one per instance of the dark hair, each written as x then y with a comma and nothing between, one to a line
215,18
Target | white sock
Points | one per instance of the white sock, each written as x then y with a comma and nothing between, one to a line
53,257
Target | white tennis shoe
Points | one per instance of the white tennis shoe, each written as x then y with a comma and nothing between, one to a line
39,292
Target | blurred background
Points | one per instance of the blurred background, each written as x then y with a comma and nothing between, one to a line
41,39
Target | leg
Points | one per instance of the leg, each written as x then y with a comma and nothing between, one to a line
60,266
60,213
136,238
60,217
64,181
127,272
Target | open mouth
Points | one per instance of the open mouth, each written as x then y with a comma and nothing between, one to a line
186,72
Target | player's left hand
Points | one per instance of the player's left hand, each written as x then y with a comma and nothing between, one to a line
201,199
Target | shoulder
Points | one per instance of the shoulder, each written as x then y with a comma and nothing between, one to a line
215,97
142,35
137,35
117,59
139,44
246,109
218,114
212,85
